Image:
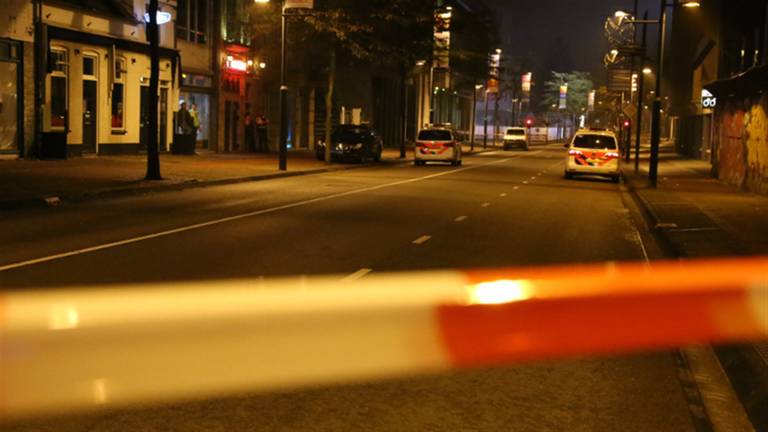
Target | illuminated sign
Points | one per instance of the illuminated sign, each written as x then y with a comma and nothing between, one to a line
563,96
526,85
708,100
162,17
299,4
237,65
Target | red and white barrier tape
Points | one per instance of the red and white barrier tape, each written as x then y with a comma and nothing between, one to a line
75,349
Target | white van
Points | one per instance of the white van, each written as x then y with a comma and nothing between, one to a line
516,137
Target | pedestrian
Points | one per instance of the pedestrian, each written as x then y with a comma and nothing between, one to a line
184,121
261,130
195,119
250,133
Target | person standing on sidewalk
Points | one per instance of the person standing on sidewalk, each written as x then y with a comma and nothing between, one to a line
250,134
261,129
195,119
184,121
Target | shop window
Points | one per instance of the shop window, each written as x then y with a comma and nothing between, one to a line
58,88
118,96
192,20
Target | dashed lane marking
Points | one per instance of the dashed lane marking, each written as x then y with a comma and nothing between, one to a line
221,221
460,219
486,205
516,188
357,275
503,195
422,240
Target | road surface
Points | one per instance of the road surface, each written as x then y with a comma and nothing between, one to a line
499,209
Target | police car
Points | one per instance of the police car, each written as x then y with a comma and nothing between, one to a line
593,152
437,144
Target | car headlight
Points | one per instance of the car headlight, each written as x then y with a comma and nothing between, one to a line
339,146
358,146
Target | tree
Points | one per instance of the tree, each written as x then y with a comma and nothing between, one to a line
579,86
394,33
153,34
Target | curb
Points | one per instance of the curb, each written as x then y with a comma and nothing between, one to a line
743,364
656,226
53,201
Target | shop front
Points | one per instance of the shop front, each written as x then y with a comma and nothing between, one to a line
11,97
197,93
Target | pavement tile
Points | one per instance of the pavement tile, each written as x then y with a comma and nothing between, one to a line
698,216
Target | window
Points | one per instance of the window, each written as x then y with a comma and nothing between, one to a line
118,95
236,26
595,142
89,65
58,80
192,20
435,135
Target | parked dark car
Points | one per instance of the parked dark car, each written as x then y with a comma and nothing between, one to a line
353,142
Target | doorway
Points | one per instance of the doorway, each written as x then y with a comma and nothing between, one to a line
144,118
89,116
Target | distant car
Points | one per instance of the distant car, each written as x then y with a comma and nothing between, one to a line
593,152
438,144
516,137
353,142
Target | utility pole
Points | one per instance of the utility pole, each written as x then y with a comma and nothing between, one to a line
485,122
653,169
640,93
474,117
40,56
153,33
283,151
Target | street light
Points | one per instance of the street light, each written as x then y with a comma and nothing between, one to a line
653,168
283,151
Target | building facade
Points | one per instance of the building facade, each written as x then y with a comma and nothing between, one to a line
718,81
197,43
96,84
239,84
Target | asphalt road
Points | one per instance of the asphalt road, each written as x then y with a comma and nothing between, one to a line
500,209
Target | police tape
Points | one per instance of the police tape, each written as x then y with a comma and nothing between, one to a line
76,349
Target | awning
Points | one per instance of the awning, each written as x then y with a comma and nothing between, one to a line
749,83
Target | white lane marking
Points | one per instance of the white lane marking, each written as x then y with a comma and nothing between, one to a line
486,205
525,182
503,195
357,275
516,188
460,219
422,240
237,217
533,178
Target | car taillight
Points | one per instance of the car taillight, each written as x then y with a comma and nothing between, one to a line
575,152
612,155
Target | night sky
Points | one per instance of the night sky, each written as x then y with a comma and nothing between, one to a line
559,34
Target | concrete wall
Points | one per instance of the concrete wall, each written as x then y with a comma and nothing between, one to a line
742,139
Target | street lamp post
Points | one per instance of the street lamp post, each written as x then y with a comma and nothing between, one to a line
474,117
283,153
283,150
653,168
640,93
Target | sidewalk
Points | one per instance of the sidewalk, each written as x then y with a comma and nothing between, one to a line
27,183
696,216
